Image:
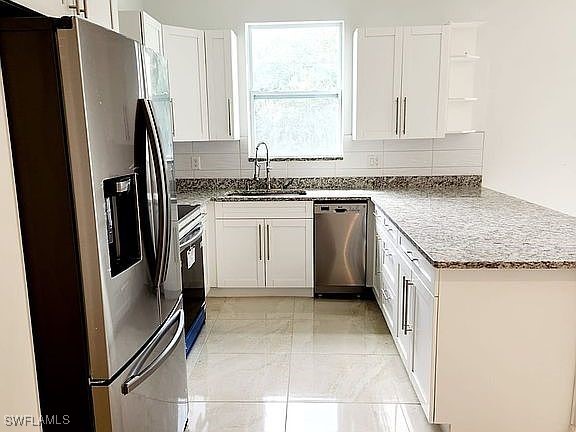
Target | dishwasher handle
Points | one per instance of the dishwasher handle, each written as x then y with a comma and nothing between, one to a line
340,208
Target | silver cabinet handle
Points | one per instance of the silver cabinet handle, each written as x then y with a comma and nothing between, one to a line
387,295
268,241
229,117
410,255
397,114
260,240
404,121
77,8
173,121
407,327
403,320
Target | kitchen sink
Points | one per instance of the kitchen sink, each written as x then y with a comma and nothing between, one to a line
266,192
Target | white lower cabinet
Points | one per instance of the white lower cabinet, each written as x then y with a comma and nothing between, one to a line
423,331
289,249
240,253
408,305
269,251
405,313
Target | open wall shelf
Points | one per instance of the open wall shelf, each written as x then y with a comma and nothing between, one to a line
462,109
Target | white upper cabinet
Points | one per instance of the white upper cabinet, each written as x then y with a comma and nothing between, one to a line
102,12
222,82
400,82
185,52
54,8
203,82
377,82
141,27
424,82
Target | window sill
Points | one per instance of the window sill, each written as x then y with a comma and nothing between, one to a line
295,159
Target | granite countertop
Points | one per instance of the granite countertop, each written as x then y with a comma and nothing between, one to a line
458,227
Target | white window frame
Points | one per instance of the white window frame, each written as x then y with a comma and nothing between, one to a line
253,95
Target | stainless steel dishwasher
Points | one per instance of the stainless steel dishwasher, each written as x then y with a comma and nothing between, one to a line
340,248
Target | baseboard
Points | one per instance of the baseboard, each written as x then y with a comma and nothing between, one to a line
261,292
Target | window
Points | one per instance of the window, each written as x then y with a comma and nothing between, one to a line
294,80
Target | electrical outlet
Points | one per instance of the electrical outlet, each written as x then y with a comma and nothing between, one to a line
373,161
196,163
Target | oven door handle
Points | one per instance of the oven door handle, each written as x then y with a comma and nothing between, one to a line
139,375
194,238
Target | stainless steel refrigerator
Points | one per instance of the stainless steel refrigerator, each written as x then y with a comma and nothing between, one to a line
91,133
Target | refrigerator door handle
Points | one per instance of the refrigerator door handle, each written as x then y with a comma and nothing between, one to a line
159,257
139,375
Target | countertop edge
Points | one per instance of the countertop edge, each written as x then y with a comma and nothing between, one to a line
219,196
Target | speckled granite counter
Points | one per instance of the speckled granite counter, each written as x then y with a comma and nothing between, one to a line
460,228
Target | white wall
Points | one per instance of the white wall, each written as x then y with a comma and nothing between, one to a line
18,392
530,146
130,4
531,138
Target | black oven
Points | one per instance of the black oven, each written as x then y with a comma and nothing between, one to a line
191,222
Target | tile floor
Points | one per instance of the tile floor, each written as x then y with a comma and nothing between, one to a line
299,365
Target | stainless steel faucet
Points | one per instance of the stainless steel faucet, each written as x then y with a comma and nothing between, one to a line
257,164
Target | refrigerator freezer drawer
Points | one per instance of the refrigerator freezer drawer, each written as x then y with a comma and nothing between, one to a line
151,395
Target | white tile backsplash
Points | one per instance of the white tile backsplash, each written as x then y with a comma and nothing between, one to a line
408,145
458,158
460,142
427,171
408,159
217,147
453,155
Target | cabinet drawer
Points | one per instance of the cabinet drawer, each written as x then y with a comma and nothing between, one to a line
264,210
420,265
389,300
384,225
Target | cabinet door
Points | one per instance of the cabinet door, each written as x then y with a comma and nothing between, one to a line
423,82
240,253
184,50
405,313
390,285
53,8
377,83
222,82
151,33
377,280
289,253
424,325
101,12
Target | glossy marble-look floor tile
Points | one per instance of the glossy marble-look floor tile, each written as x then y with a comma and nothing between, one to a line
298,365
199,343
351,336
258,308
239,377
250,336
349,378
237,417
345,417
214,306
310,308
